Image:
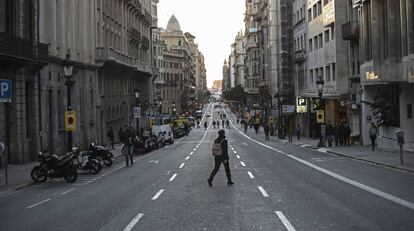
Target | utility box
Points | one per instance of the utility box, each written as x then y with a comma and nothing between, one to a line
400,137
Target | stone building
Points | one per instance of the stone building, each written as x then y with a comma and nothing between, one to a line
239,56
300,31
386,42
179,91
200,69
22,56
226,83
327,58
123,55
62,24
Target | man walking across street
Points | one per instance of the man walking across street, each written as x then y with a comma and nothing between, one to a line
221,157
373,132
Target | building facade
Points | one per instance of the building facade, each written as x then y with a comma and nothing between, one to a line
123,55
179,91
327,59
387,69
239,56
22,56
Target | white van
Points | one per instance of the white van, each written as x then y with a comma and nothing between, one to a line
168,137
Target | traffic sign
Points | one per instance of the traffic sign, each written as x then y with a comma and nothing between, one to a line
5,91
301,105
320,116
137,112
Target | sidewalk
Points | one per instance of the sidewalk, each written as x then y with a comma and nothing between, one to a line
384,157
19,175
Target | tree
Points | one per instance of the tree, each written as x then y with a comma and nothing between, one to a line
236,94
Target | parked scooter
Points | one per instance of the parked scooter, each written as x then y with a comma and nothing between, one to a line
101,153
85,161
53,166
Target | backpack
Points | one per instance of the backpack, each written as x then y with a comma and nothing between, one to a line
217,150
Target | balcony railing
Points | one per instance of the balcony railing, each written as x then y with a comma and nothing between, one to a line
112,55
300,56
22,48
350,30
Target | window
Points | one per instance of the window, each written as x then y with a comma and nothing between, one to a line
319,6
409,111
321,72
326,36
315,13
320,40
311,75
328,73
309,15
310,44
333,72
332,31
316,74
315,42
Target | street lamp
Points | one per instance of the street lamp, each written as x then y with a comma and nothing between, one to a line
281,130
320,84
136,94
68,71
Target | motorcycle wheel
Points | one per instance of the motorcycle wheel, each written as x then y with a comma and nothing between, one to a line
95,167
108,162
38,174
70,174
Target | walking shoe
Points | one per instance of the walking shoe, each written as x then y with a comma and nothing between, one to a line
210,183
230,183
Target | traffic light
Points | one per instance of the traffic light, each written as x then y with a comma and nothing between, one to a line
70,121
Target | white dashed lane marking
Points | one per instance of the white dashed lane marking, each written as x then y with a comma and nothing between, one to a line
264,193
134,222
157,195
182,165
285,221
38,203
242,163
173,177
251,175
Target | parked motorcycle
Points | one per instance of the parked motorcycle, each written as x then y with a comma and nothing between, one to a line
53,166
85,161
101,153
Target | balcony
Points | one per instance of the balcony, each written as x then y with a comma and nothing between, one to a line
251,45
145,43
300,56
350,30
111,55
21,48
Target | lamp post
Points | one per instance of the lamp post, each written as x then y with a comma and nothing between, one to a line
136,94
281,130
320,84
68,70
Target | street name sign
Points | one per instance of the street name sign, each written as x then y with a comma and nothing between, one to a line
5,91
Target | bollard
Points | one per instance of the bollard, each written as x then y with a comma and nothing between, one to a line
401,141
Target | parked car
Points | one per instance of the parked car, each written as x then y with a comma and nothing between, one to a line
166,129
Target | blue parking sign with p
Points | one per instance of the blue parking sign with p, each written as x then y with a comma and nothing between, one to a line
5,90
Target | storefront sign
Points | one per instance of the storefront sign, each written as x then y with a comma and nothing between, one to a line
301,105
287,109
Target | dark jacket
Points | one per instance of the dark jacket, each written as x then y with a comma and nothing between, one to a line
224,147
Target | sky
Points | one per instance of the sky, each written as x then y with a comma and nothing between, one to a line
214,23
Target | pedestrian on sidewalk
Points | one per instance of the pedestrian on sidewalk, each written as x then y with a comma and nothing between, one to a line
341,134
266,131
227,123
222,123
347,134
246,126
329,134
335,134
298,131
111,137
205,125
129,136
238,120
222,158
214,124
373,132
256,127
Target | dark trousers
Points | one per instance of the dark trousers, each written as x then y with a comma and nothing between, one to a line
130,154
373,138
218,161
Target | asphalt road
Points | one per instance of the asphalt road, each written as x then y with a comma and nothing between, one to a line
278,186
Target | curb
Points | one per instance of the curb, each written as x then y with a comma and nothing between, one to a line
16,188
365,160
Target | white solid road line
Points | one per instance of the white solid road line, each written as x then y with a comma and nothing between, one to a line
374,191
173,177
182,165
67,191
134,222
242,163
157,195
369,189
263,191
188,157
38,203
251,175
238,157
285,221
